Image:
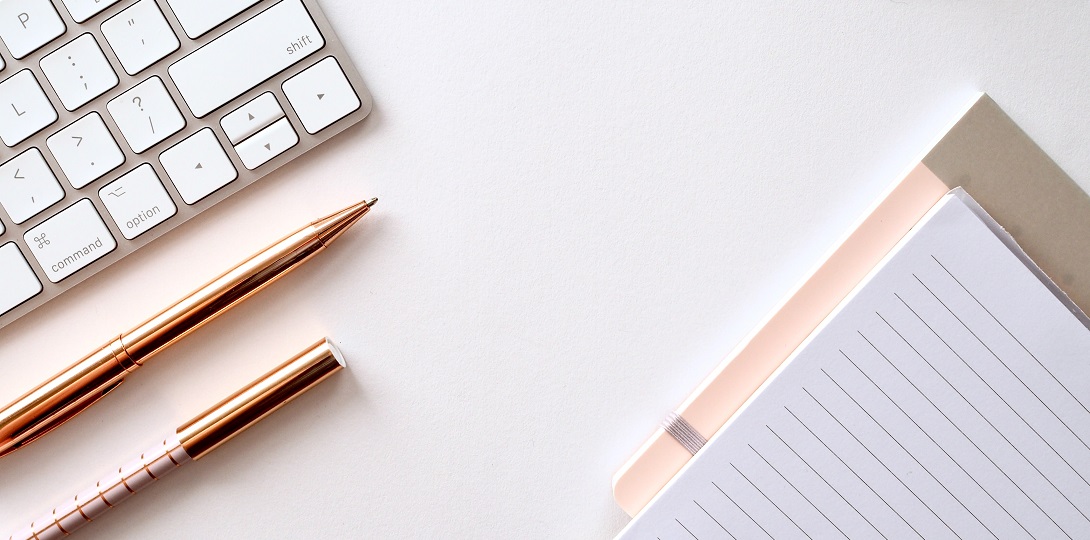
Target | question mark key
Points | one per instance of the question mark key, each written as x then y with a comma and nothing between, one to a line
146,114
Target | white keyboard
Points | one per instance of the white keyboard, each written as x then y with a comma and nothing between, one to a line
122,119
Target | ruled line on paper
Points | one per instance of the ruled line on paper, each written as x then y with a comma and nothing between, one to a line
794,487
686,528
880,462
816,473
853,471
769,499
714,519
989,422
1018,378
980,415
743,510
935,442
1011,334
911,455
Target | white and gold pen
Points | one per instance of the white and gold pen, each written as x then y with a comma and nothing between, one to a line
192,441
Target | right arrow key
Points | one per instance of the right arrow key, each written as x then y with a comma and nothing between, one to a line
321,95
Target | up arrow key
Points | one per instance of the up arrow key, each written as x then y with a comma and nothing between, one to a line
250,118
199,166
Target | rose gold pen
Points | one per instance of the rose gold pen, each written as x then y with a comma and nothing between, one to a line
192,441
85,382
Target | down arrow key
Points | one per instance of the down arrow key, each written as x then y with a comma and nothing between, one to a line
267,144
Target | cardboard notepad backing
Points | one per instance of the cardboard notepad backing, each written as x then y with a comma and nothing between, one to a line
985,153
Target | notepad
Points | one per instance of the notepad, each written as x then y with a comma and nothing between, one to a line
946,397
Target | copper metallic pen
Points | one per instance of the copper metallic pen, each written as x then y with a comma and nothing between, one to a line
85,382
192,441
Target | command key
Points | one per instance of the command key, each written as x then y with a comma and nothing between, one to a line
70,241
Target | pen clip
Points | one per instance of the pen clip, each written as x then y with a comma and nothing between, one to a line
40,429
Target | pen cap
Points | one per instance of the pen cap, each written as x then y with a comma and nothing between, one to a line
233,415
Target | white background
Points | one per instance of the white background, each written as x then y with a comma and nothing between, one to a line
583,206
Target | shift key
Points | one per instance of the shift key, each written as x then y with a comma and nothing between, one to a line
246,56
69,241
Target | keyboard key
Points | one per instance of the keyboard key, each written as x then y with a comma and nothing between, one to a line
79,72
146,114
24,109
140,36
198,166
251,117
70,241
246,56
82,10
321,95
28,186
267,144
137,201
26,25
20,283
85,150
200,16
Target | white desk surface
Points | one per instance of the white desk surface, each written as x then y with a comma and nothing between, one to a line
582,208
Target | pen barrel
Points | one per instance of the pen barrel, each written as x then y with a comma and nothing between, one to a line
273,390
222,293
85,382
65,395
126,481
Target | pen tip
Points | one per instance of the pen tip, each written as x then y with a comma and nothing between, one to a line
331,227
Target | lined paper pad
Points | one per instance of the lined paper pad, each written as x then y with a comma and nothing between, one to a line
945,398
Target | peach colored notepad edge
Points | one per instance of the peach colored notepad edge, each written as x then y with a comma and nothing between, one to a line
985,152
